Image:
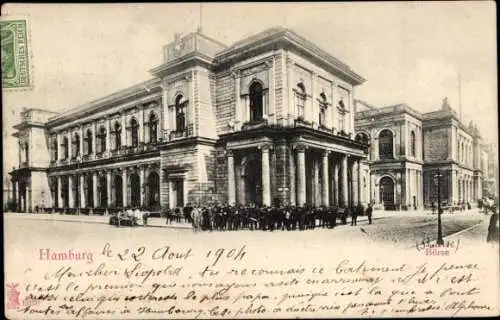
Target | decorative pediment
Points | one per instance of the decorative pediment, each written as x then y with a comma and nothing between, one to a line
259,72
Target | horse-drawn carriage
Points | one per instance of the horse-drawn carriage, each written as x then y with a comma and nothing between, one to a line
129,218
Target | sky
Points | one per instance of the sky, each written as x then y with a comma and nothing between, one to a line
408,52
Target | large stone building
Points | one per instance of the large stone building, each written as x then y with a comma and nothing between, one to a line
409,151
269,118
395,158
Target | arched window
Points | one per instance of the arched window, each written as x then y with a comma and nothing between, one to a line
256,101
153,127
117,136
180,114
101,140
88,141
322,109
76,145
412,143
301,96
134,132
385,144
65,146
362,138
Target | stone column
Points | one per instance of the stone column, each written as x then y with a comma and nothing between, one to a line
301,185
237,108
71,203
94,144
58,148
70,144
315,187
108,187
325,190
94,190
231,183
108,136
271,105
124,187
266,177
335,184
59,192
82,191
141,183
140,135
354,179
343,168
293,194
358,184
81,140
124,131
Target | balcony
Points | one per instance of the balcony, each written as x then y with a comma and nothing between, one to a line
254,124
326,129
301,122
177,135
344,134
88,157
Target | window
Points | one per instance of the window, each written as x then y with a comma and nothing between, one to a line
256,102
27,152
301,97
341,122
88,142
412,143
117,136
76,145
180,114
54,149
134,132
101,140
153,127
343,102
385,142
322,109
65,146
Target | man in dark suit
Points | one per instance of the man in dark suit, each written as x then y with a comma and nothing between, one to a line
354,216
369,212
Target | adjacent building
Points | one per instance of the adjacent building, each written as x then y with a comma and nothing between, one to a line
395,157
268,119
414,154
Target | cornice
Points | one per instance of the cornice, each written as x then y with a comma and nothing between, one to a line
131,93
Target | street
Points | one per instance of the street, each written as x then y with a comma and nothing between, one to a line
400,229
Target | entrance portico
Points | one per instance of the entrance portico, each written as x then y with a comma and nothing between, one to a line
302,170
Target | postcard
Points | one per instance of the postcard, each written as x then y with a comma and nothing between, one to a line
250,160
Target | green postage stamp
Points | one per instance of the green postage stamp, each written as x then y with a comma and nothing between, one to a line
15,56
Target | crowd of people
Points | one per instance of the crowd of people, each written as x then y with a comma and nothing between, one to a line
251,217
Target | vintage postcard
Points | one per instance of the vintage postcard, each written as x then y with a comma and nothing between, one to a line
277,160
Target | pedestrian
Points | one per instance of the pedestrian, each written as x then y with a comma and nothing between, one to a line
369,212
354,216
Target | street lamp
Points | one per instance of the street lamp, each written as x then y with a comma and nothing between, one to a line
437,177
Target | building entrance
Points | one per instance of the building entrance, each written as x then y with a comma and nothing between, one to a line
253,182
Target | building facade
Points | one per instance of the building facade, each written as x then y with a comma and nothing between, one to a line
410,152
395,157
267,119
452,153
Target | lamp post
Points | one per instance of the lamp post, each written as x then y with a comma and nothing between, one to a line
437,177
78,160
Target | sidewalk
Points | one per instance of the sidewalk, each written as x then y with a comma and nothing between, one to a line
97,219
161,222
